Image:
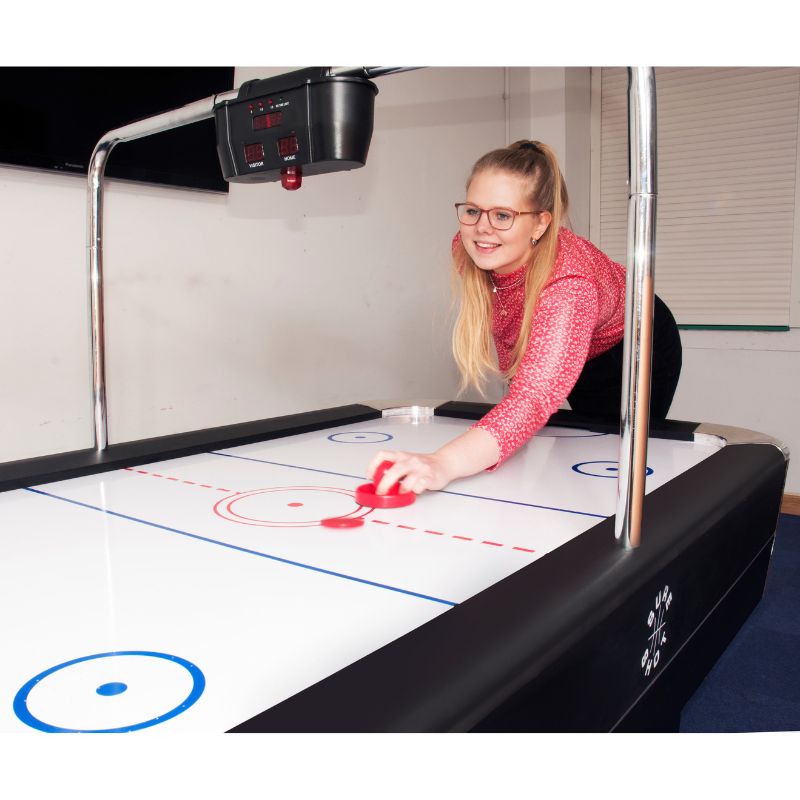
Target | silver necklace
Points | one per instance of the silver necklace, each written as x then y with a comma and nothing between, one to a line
495,287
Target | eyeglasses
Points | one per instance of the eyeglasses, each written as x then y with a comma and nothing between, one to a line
500,219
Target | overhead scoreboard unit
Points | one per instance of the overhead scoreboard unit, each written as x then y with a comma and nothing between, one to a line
303,123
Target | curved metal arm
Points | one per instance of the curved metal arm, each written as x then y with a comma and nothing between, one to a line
639,298
193,112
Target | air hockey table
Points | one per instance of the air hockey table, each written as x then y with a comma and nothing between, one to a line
185,584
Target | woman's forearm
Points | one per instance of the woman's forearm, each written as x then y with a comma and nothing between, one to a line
472,452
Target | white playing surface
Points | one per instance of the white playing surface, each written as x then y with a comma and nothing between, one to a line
195,593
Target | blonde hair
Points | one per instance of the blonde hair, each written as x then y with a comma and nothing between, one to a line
472,335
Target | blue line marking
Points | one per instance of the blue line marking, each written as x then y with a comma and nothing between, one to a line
529,505
441,491
290,466
245,549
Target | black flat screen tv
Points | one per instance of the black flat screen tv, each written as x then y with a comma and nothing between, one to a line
52,118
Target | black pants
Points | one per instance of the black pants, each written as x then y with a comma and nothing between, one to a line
598,391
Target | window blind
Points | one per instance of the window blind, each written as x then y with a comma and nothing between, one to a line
727,167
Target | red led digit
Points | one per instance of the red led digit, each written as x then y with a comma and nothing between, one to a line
264,121
288,145
253,152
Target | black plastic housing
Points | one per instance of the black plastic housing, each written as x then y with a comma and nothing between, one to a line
317,122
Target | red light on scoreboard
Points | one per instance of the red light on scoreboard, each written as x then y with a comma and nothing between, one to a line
288,145
253,152
291,178
264,121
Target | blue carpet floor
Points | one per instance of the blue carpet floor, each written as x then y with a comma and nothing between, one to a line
755,685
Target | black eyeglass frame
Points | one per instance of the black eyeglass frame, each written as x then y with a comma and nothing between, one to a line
488,211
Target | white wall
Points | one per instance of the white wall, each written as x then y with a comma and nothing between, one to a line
222,309
749,379
552,105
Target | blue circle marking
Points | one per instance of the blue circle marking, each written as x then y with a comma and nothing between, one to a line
612,467
110,689
362,437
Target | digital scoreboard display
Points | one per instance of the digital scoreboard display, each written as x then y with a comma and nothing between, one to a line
292,126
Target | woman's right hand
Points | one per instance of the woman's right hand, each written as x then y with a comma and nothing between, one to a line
468,454
416,472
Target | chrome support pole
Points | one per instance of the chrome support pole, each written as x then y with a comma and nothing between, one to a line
639,298
193,112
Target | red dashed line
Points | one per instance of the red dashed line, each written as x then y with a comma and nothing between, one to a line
178,480
452,536
377,521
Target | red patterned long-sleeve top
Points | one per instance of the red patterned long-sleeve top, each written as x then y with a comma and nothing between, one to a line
579,315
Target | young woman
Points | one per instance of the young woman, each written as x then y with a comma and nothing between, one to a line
550,302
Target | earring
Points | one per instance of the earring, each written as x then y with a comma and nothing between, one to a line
534,242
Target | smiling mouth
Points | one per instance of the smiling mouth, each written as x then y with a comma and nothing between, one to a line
486,247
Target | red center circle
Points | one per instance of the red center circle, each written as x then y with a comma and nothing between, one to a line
225,508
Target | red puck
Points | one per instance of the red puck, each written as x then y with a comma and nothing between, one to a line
342,522
366,496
